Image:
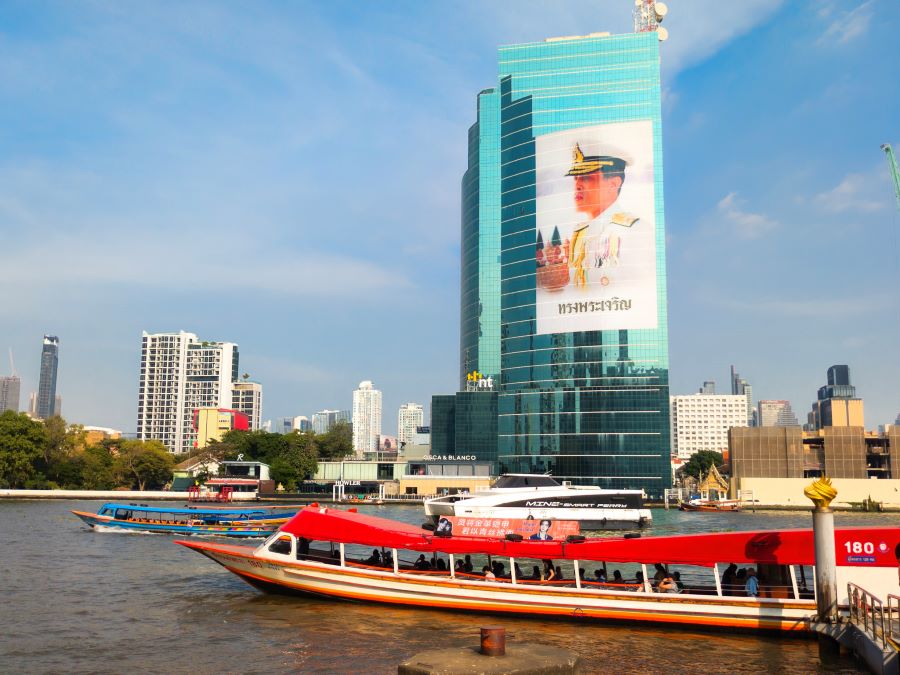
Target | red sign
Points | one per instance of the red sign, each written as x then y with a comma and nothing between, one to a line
538,530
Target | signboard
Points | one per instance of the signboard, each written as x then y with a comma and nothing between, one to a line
537,530
595,249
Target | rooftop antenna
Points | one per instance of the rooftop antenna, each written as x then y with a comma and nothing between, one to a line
12,365
648,14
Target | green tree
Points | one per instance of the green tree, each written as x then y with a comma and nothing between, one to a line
97,471
60,462
22,444
146,464
699,463
336,443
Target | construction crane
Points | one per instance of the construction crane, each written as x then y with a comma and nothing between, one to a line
895,174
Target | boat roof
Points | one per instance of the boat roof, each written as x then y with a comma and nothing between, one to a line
191,510
783,547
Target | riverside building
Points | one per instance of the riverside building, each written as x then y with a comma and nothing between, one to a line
246,397
366,418
563,288
180,374
409,418
701,422
46,394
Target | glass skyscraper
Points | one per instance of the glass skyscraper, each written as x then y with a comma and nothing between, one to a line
583,338
46,395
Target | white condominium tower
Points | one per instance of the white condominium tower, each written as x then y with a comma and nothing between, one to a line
247,398
411,415
366,418
179,374
701,421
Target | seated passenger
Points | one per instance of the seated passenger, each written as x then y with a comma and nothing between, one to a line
374,559
752,585
536,573
639,578
518,570
441,565
667,585
599,576
497,568
422,563
617,577
387,560
488,574
559,574
676,577
549,572
459,567
660,572
467,565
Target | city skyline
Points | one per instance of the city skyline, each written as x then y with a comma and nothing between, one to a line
749,221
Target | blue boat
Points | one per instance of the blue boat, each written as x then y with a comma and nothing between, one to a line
231,522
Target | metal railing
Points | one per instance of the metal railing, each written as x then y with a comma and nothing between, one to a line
893,619
868,613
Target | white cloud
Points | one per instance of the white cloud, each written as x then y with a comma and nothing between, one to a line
848,25
856,192
746,225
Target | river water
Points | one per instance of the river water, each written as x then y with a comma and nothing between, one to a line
76,601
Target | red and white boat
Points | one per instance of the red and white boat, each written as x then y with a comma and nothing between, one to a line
328,552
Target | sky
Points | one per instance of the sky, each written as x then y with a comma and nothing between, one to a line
286,176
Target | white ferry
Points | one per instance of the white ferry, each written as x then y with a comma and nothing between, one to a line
538,496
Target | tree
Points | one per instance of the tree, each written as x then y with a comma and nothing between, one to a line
145,463
22,444
97,468
337,442
64,445
699,463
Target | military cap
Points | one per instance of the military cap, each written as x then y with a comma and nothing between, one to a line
582,166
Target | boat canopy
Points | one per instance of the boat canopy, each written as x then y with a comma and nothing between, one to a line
194,511
782,547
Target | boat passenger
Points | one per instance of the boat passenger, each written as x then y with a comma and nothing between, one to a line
667,585
488,574
374,559
422,563
728,580
599,576
660,573
441,565
639,578
536,573
467,565
459,567
617,577
497,568
676,577
549,573
519,573
302,547
559,574
387,559
752,585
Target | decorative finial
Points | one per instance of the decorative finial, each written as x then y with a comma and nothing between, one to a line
577,154
821,492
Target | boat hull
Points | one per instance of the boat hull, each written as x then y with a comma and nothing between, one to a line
711,506
255,530
422,590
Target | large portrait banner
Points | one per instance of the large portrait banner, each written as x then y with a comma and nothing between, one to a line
596,229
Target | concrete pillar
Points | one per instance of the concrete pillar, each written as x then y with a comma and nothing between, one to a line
822,493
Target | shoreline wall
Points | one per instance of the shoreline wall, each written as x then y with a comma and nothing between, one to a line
110,495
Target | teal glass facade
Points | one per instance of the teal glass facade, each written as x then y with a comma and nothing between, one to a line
443,424
476,425
586,405
480,245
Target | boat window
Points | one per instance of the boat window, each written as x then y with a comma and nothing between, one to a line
105,511
123,514
282,545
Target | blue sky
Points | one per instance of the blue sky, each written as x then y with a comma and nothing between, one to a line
286,176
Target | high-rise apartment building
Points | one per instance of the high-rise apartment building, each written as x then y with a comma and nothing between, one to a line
411,416
366,418
9,393
247,397
323,420
46,394
563,254
701,422
180,374
740,387
709,387
776,414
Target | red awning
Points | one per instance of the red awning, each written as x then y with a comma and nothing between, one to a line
785,547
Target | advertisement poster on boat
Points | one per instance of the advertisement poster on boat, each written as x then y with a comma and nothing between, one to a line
537,530
595,248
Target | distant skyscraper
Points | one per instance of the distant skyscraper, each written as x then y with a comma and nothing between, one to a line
46,398
701,422
9,393
366,418
179,375
776,414
286,425
247,397
709,387
323,420
740,387
837,404
32,404
411,415
57,405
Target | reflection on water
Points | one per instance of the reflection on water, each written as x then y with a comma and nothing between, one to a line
81,601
